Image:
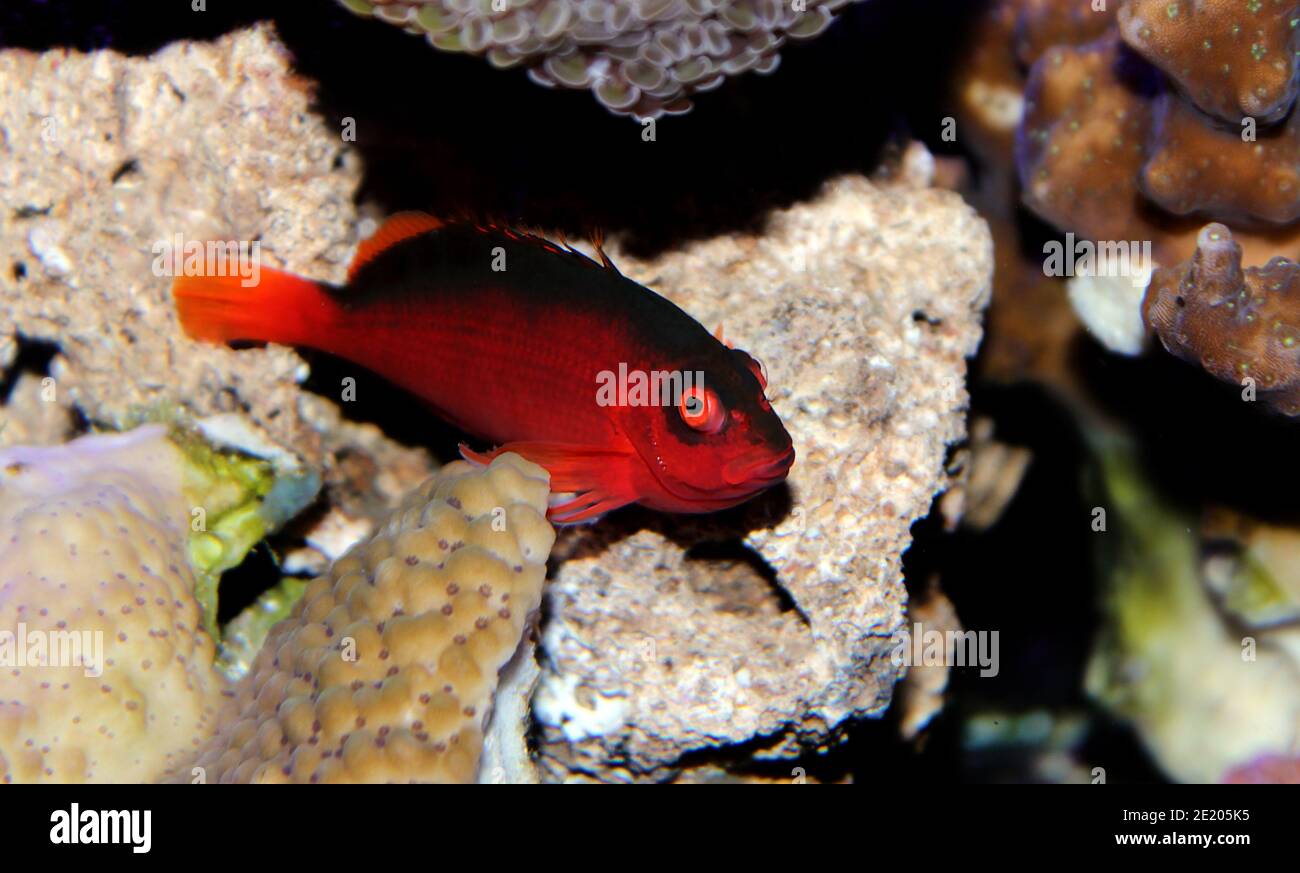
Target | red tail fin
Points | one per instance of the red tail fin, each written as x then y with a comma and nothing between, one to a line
280,308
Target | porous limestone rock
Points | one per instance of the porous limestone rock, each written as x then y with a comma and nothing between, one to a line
104,160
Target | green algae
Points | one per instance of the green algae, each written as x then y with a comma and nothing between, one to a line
235,500
244,634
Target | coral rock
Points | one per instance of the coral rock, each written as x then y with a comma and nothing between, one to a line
103,134
921,693
208,140
35,414
386,669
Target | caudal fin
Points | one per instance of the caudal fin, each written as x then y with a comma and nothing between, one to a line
280,308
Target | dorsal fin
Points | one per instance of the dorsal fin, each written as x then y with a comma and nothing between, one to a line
559,245
720,337
598,243
399,226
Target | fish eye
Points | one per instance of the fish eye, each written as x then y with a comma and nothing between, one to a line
701,409
759,371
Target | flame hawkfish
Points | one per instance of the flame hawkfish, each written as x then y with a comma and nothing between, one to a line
514,339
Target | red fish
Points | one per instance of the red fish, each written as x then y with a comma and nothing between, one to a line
515,339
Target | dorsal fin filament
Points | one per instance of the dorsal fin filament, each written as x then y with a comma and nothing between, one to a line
598,243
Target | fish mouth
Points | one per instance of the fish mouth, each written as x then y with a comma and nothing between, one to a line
745,476
758,469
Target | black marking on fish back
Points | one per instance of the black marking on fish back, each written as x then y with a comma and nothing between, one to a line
457,260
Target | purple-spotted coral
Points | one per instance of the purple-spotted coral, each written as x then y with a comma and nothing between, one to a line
107,670
387,668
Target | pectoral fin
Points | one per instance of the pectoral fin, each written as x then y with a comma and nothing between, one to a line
598,478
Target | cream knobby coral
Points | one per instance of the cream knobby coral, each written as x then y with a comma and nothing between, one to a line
386,668
107,673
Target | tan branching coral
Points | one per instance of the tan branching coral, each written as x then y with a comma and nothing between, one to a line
1141,121
639,57
1236,323
1083,141
1005,41
387,667
1041,24
989,91
1196,167
1232,58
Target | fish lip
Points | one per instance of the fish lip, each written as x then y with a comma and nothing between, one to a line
758,468
737,493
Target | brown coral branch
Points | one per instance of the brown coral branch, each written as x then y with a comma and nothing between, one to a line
1237,323
1199,166
1233,59
1083,141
